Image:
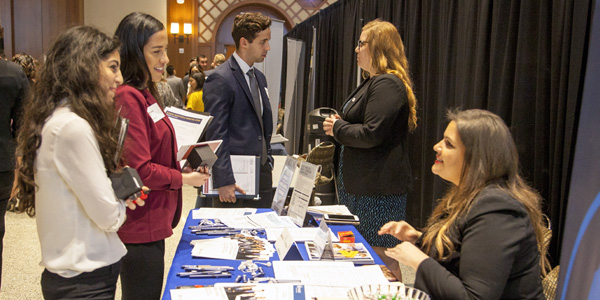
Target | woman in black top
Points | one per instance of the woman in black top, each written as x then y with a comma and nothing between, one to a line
484,238
374,170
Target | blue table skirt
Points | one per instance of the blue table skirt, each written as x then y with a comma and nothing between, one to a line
183,256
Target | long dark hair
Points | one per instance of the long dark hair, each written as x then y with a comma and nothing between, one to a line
491,157
200,78
70,76
134,31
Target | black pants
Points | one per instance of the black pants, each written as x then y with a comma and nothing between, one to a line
142,271
265,189
6,183
98,284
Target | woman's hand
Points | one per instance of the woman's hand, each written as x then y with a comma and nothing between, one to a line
195,177
407,254
140,200
400,230
328,124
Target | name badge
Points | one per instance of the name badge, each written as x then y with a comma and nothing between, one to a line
155,112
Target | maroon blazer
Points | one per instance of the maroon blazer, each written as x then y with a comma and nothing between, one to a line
151,149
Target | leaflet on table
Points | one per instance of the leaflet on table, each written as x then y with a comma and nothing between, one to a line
246,170
218,213
299,234
354,252
328,273
189,125
280,291
238,247
199,293
219,248
302,192
329,209
262,220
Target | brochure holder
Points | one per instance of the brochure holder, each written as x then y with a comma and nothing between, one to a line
287,249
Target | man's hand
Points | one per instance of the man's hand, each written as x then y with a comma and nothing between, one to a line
227,193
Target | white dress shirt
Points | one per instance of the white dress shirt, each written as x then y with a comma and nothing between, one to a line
245,68
77,212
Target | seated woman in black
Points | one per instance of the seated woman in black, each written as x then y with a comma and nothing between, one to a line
483,240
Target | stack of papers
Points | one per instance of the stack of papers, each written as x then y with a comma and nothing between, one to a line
236,247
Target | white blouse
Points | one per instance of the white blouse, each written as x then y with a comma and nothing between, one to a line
77,212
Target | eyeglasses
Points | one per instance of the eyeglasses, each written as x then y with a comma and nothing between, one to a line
361,44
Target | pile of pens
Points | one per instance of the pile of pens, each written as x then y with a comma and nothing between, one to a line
205,271
216,227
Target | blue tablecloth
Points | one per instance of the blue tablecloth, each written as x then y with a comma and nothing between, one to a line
183,256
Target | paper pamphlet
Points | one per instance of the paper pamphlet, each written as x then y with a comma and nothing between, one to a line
302,192
285,180
245,171
189,125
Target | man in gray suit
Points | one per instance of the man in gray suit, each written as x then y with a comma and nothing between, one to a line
176,84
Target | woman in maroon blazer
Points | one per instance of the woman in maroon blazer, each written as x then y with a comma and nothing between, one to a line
151,149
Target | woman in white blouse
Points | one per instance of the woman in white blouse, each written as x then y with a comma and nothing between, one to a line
69,145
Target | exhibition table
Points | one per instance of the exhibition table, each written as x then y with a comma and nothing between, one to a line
183,256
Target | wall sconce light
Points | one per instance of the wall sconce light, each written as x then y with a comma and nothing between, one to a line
187,30
180,1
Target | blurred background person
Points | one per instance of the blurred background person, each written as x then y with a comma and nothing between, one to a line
176,84
195,97
217,61
151,149
14,86
203,62
186,77
166,94
374,174
27,62
69,144
194,68
484,239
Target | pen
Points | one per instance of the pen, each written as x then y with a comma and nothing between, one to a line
210,275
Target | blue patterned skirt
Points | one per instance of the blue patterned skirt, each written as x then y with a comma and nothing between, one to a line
373,211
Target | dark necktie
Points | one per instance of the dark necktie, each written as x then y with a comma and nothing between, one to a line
258,109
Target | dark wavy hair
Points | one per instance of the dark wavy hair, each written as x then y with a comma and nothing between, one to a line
27,62
134,31
71,76
248,25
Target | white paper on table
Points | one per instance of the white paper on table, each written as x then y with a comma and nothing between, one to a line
272,220
188,125
319,292
219,249
279,291
212,293
329,209
302,192
299,234
332,274
262,220
217,213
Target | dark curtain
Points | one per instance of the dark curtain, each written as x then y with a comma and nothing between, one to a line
520,59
